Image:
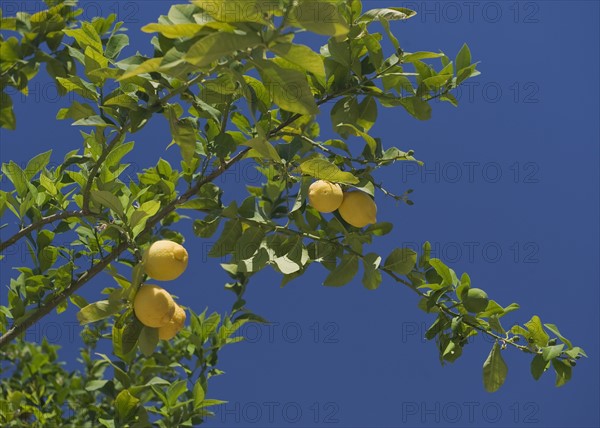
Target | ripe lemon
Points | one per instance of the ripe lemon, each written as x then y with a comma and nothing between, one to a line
165,260
153,306
325,196
476,300
169,331
358,209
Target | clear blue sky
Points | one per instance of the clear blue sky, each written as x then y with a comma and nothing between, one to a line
509,193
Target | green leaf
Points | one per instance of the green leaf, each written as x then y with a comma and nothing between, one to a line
95,385
442,270
367,113
401,261
199,395
97,311
263,148
518,330
417,107
207,227
372,275
344,272
380,229
95,120
125,333
17,177
320,16
79,86
322,169
217,45
78,301
302,56
228,239
174,391
494,370
36,164
575,352
555,330
463,59
563,371
107,199
371,142
496,325
344,112
86,36
115,45
184,134
148,66
7,114
451,352
93,61
126,405
551,352
137,275
120,374
536,333
439,325
288,88
538,366
237,10
387,14
294,259
148,340
140,216
417,56
211,402
249,243
77,111
173,31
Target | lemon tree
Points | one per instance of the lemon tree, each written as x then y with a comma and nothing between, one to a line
233,88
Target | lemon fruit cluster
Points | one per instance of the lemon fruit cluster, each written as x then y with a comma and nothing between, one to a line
155,308
165,260
153,305
355,207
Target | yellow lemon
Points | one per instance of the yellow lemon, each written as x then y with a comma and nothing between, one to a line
165,260
358,209
326,197
169,331
153,306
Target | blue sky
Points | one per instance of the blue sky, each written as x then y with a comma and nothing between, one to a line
509,193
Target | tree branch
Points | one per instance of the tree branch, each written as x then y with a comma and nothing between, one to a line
45,220
394,276
57,298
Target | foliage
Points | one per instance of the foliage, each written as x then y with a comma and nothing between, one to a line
232,87
168,387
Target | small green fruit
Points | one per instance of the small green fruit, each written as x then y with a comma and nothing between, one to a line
476,300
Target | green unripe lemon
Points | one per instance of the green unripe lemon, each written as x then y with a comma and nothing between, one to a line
475,300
